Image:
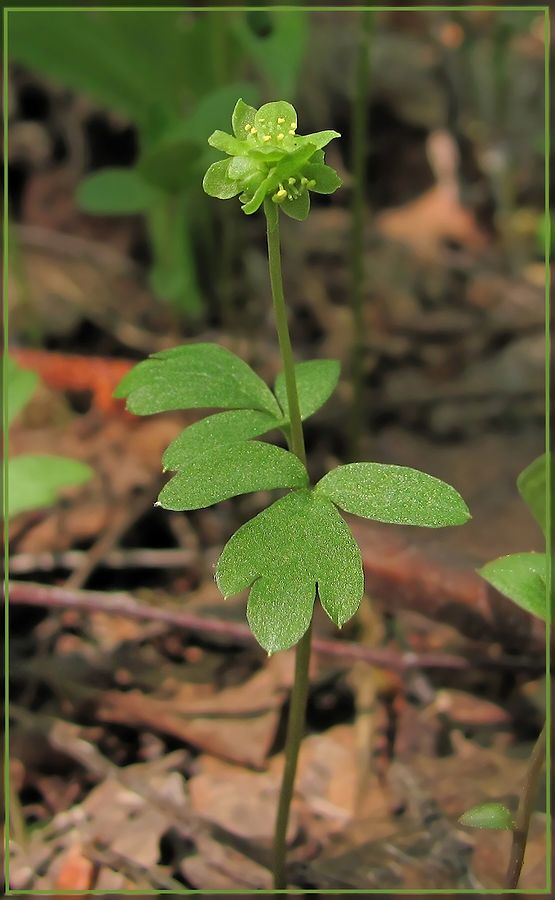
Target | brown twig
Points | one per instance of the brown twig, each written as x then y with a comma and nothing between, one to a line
24,563
525,810
30,594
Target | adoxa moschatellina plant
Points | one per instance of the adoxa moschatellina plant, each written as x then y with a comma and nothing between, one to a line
300,547
526,579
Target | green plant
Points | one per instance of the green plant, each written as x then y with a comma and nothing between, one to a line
525,579
35,480
299,547
174,75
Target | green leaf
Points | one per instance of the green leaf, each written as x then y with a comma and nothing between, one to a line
217,182
522,578
243,115
316,382
21,387
327,180
228,471
216,431
115,192
394,494
298,544
278,52
531,484
488,815
298,208
35,481
220,140
194,376
212,110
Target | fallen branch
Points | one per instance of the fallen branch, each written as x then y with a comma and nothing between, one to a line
121,604
25,563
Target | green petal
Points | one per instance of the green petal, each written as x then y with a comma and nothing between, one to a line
220,140
217,183
327,180
243,115
268,119
318,139
298,208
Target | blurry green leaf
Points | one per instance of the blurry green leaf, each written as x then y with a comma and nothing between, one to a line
115,192
394,494
36,481
83,52
278,50
212,110
228,471
488,815
21,384
217,182
298,544
327,180
194,376
174,276
531,484
522,578
298,208
170,164
316,382
216,431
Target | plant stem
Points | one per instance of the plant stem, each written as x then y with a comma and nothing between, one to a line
359,156
524,811
297,708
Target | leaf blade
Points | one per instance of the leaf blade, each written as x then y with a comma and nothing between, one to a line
394,494
115,192
34,480
522,578
316,381
214,431
229,471
21,385
195,376
531,484
488,815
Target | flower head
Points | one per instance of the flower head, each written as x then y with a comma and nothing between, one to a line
267,158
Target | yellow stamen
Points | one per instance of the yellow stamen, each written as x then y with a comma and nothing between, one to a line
253,130
292,180
280,136
281,120
266,137
291,131
247,127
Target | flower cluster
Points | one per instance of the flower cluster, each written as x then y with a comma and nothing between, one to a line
269,158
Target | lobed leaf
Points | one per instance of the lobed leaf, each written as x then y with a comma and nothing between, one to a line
316,382
298,545
115,192
298,208
195,376
522,578
488,815
21,385
216,431
35,481
394,494
531,484
227,471
327,180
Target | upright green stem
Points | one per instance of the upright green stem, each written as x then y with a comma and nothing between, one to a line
297,708
360,152
524,811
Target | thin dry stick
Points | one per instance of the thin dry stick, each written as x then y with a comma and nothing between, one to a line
26,593
525,810
24,563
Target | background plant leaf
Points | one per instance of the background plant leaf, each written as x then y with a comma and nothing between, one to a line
522,578
115,192
394,494
215,431
298,544
35,481
488,815
316,382
21,384
275,42
531,484
228,471
194,376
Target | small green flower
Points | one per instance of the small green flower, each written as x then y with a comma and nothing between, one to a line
268,158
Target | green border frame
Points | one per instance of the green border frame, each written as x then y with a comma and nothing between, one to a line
549,476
